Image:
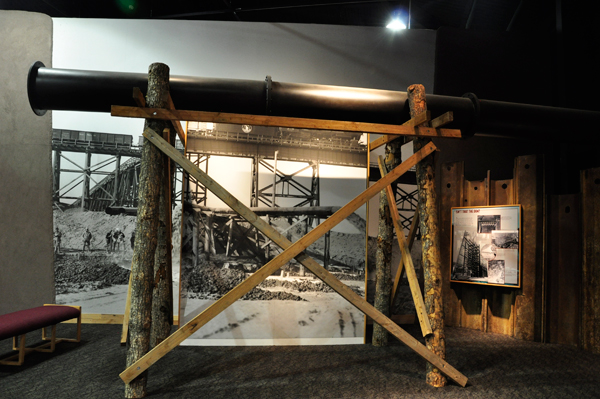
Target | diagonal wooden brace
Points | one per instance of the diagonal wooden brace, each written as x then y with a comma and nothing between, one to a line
411,123
410,239
413,281
291,250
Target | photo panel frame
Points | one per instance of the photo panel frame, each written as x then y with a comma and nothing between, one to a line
486,245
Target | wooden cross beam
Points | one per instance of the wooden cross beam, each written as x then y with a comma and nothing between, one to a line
410,239
413,281
442,120
411,123
281,121
140,100
175,123
415,122
291,250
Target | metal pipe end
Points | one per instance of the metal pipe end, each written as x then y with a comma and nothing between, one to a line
31,81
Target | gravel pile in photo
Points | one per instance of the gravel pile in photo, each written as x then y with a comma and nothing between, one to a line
262,295
302,285
349,277
211,280
87,272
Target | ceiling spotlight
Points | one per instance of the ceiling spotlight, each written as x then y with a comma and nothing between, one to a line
396,24
397,21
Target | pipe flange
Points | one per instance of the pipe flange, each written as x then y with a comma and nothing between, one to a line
31,78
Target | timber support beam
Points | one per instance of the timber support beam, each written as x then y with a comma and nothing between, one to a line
430,240
290,251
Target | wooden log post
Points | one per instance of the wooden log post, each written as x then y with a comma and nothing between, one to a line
142,265
430,240
383,256
162,293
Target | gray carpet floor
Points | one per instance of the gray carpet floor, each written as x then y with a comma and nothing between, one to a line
497,367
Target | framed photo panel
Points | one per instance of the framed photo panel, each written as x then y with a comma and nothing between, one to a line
486,245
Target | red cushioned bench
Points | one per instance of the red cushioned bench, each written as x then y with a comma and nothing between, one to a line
17,324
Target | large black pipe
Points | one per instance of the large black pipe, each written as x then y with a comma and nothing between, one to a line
96,91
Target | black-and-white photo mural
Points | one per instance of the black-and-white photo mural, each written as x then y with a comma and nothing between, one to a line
339,161
293,179
95,196
95,200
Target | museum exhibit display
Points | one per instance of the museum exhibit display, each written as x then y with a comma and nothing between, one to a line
144,257
172,114
298,210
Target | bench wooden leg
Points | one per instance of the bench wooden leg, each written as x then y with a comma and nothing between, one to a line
18,344
77,337
52,339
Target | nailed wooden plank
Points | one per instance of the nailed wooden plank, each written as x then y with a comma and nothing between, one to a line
502,192
270,267
261,120
564,284
98,318
590,200
409,243
475,193
104,318
487,293
125,329
442,120
451,195
500,300
500,312
416,121
529,187
176,124
473,296
138,97
413,281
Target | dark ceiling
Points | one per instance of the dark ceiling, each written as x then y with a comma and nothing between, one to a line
560,36
496,15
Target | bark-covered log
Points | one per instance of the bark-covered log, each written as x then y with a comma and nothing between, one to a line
383,258
142,265
430,240
162,294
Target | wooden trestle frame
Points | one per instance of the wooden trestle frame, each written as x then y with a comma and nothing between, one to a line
295,250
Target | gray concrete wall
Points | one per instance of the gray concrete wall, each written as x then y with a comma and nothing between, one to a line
26,259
